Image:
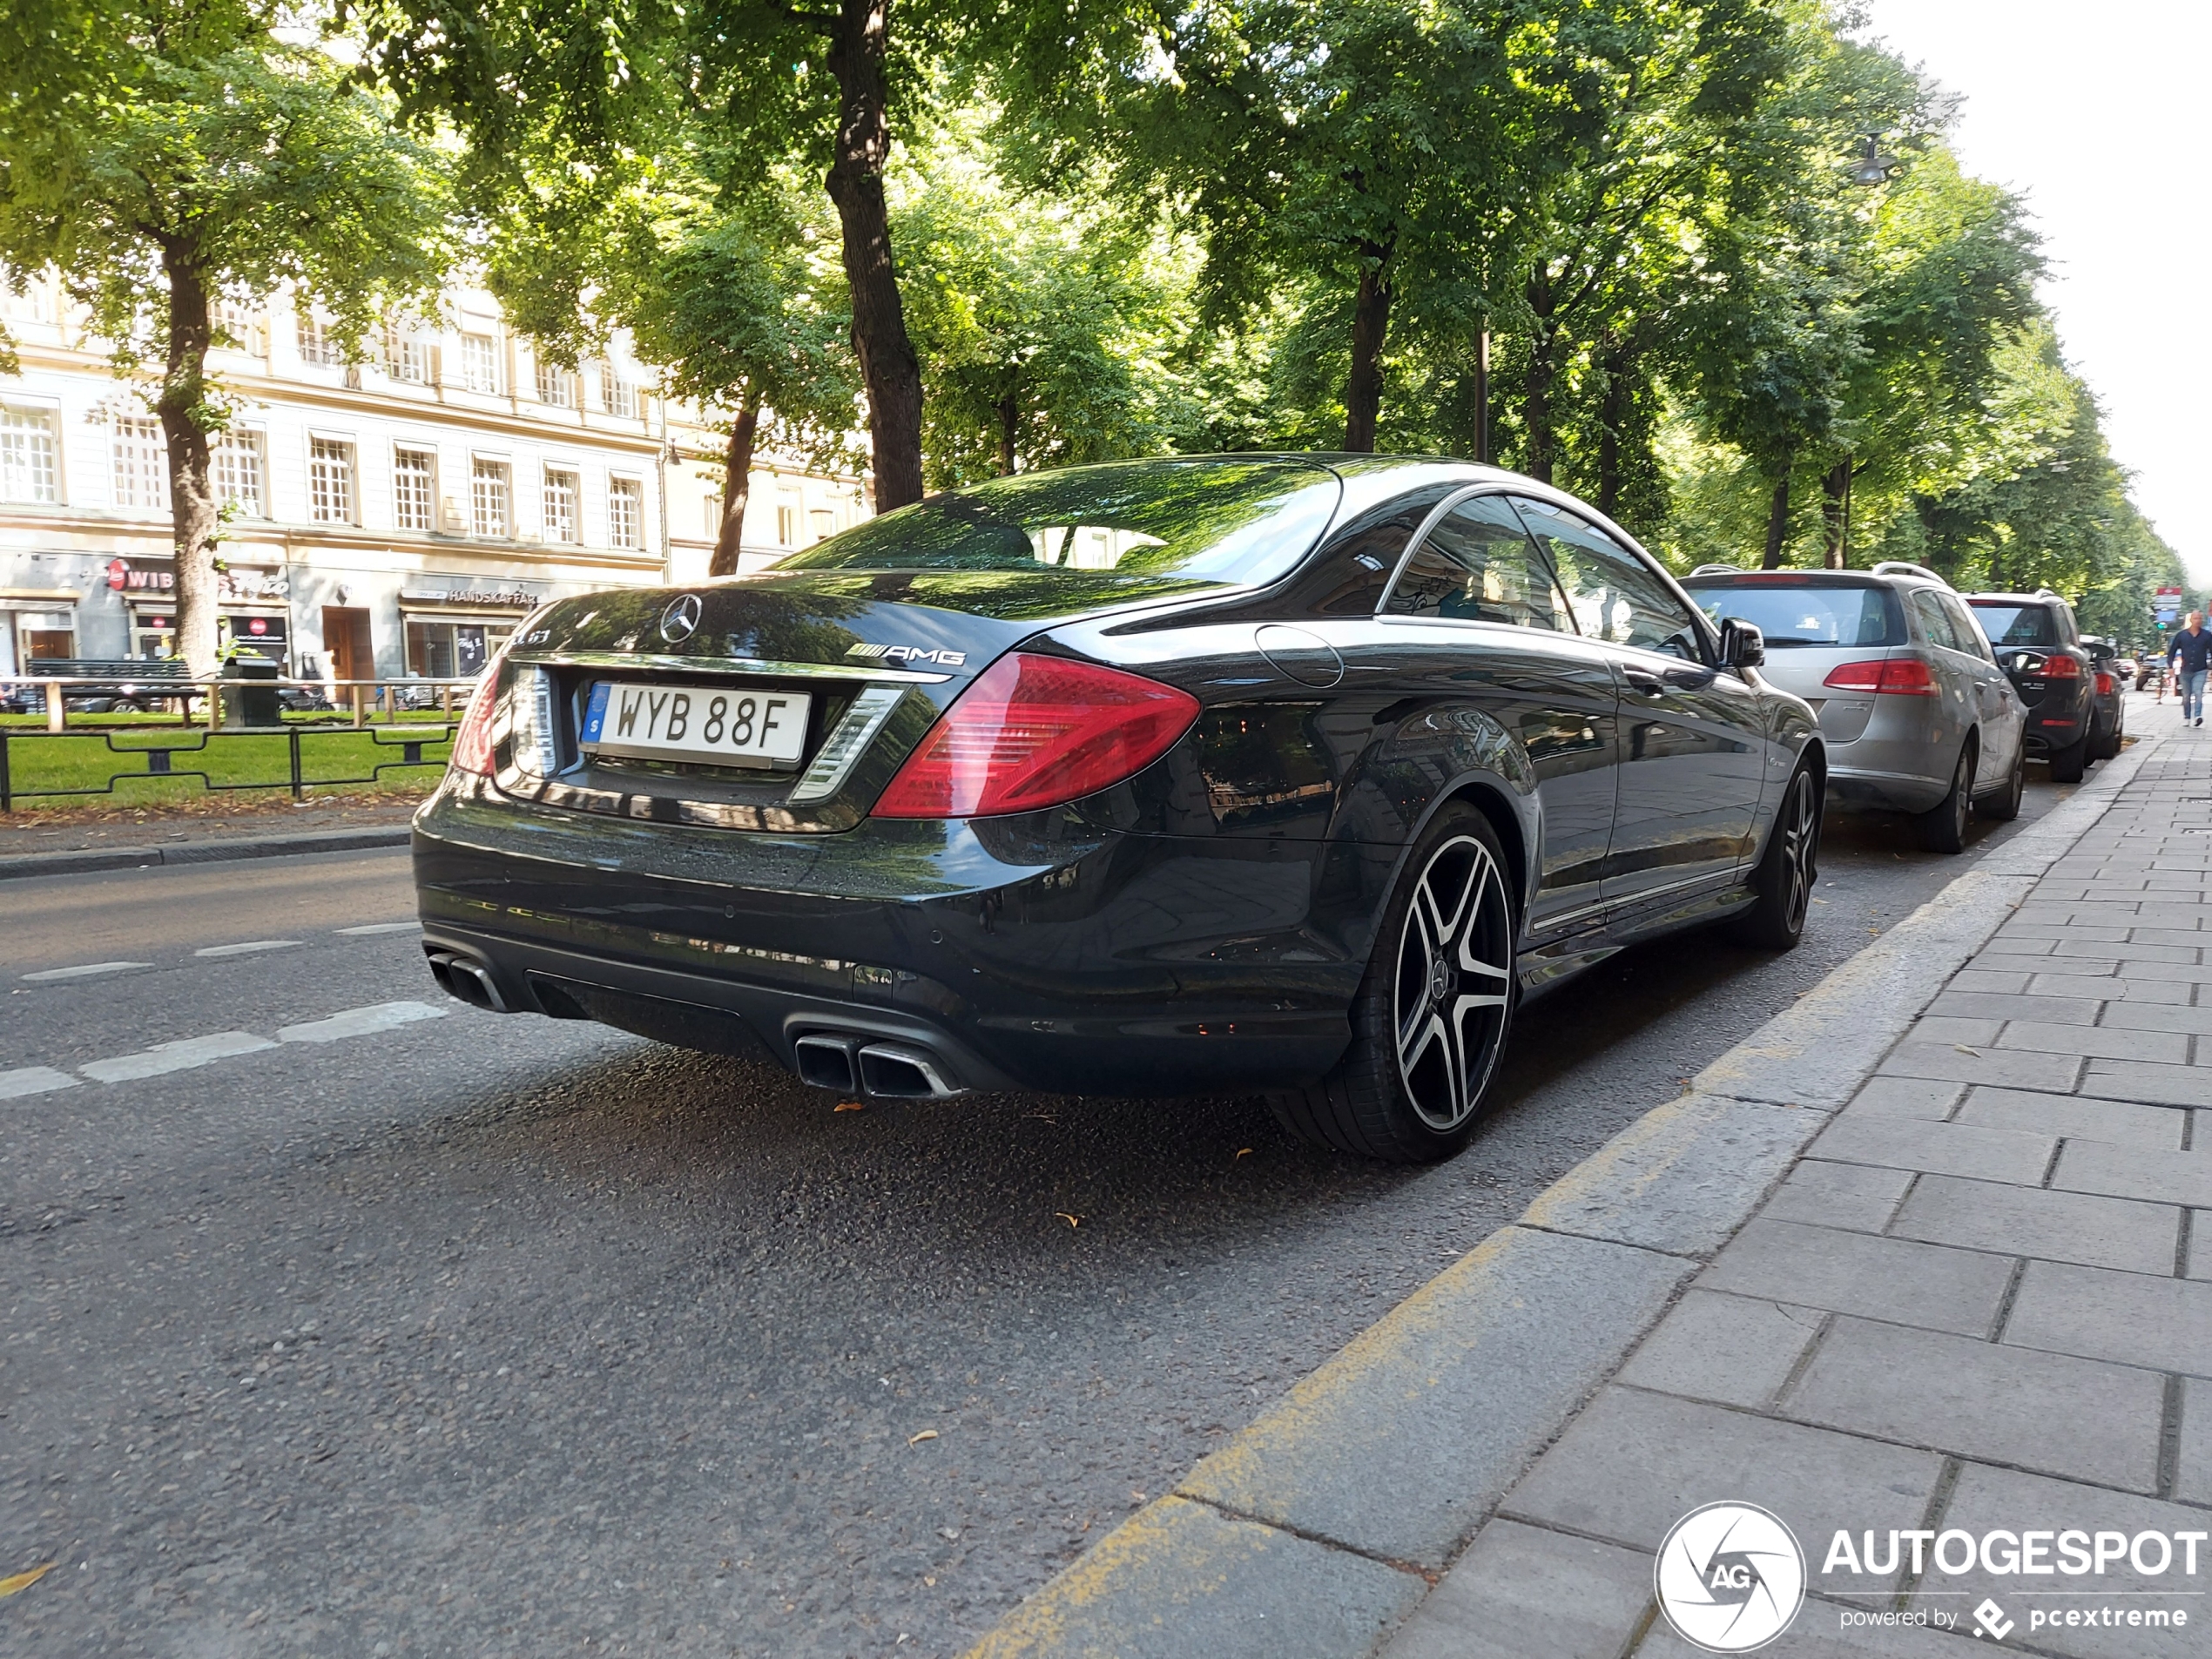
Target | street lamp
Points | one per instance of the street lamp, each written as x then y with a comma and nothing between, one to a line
1871,167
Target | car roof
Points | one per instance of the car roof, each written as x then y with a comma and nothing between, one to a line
2014,599
1799,579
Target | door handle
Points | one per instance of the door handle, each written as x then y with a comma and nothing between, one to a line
1641,680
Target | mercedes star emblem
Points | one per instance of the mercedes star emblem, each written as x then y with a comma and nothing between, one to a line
681,616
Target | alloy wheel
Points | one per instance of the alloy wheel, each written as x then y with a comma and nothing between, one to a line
1799,829
1454,981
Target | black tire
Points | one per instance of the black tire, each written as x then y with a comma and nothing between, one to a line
2068,763
1942,828
1427,1026
1787,872
2004,806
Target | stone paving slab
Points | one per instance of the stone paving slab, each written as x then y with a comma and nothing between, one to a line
1846,1272
1525,1593
2093,1231
2134,1319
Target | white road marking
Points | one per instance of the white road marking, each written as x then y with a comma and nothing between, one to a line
33,1080
180,1055
85,970
248,949
360,1023
383,927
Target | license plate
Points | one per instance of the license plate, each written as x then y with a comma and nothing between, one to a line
712,726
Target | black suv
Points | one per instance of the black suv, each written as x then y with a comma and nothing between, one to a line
2039,645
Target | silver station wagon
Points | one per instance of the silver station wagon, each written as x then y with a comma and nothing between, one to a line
1918,716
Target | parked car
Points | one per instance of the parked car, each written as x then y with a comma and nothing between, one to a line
2039,644
103,685
2108,697
1916,715
1268,772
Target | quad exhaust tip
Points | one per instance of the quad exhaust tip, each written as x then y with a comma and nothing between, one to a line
466,982
887,1070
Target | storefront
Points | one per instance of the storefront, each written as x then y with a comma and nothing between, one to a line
36,624
451,634
252,599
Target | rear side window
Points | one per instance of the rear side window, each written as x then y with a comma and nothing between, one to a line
1478,565
2017,625
1803,613
1963,626
1614,595
1935,622
1355,568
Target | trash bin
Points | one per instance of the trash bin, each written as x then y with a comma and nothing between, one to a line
250,693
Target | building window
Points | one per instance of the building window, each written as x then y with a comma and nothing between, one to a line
407,355
480,363
825,522
787,527
560,507
714,518
33,303
141,463
555,386
625,513
239,327
330,481
619,395
234,460
448,650
317,348
490,511
414,479
27,472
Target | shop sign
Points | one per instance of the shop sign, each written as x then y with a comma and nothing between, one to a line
508,599
237,584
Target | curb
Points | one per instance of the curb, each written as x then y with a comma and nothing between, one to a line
1320,1527
266,846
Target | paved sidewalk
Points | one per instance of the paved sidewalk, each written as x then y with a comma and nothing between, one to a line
1981,1303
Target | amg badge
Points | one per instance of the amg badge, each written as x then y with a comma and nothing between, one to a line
908,654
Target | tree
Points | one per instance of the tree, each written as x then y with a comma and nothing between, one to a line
165,157
724,286
584,84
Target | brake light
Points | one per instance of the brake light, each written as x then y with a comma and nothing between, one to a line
2104,683
1895,677
2060,667
472,745
1035,731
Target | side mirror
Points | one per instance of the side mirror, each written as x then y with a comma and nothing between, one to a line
1742,644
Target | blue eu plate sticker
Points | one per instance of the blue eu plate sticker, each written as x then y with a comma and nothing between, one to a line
595,713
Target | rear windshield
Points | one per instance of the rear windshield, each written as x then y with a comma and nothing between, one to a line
1798,613
2016,624
1227,521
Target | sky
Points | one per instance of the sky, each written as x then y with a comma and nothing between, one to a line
2095,115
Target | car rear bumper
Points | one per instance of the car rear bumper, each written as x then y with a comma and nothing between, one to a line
1014,952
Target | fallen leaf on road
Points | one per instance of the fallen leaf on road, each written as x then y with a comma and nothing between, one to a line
25,1581
1963,1048
1242,1152
926,1434
850,1106
1071,1220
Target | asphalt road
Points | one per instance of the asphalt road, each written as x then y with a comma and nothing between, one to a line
451,1333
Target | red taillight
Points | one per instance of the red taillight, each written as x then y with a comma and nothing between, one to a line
472,743
1895,677
2104,684
2059,668
1035,731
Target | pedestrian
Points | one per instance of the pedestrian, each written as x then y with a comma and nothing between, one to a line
2191,654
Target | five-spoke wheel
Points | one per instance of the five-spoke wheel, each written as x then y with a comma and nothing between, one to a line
1454,981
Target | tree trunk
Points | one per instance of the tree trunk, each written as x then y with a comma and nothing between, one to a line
1542,443
888,366
1370,328
191,495
1835,513
736,487
1613,414
1009,425
1778,520
1482,394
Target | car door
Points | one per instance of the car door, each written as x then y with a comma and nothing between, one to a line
2002,717
1693,740
1482,622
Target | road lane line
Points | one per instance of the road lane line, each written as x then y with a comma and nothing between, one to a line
360,1023
84,970
180,1055
382,927
248,949
33,1080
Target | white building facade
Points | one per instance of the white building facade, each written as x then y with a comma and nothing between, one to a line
387,518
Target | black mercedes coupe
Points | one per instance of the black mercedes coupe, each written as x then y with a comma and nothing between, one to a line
1272,772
